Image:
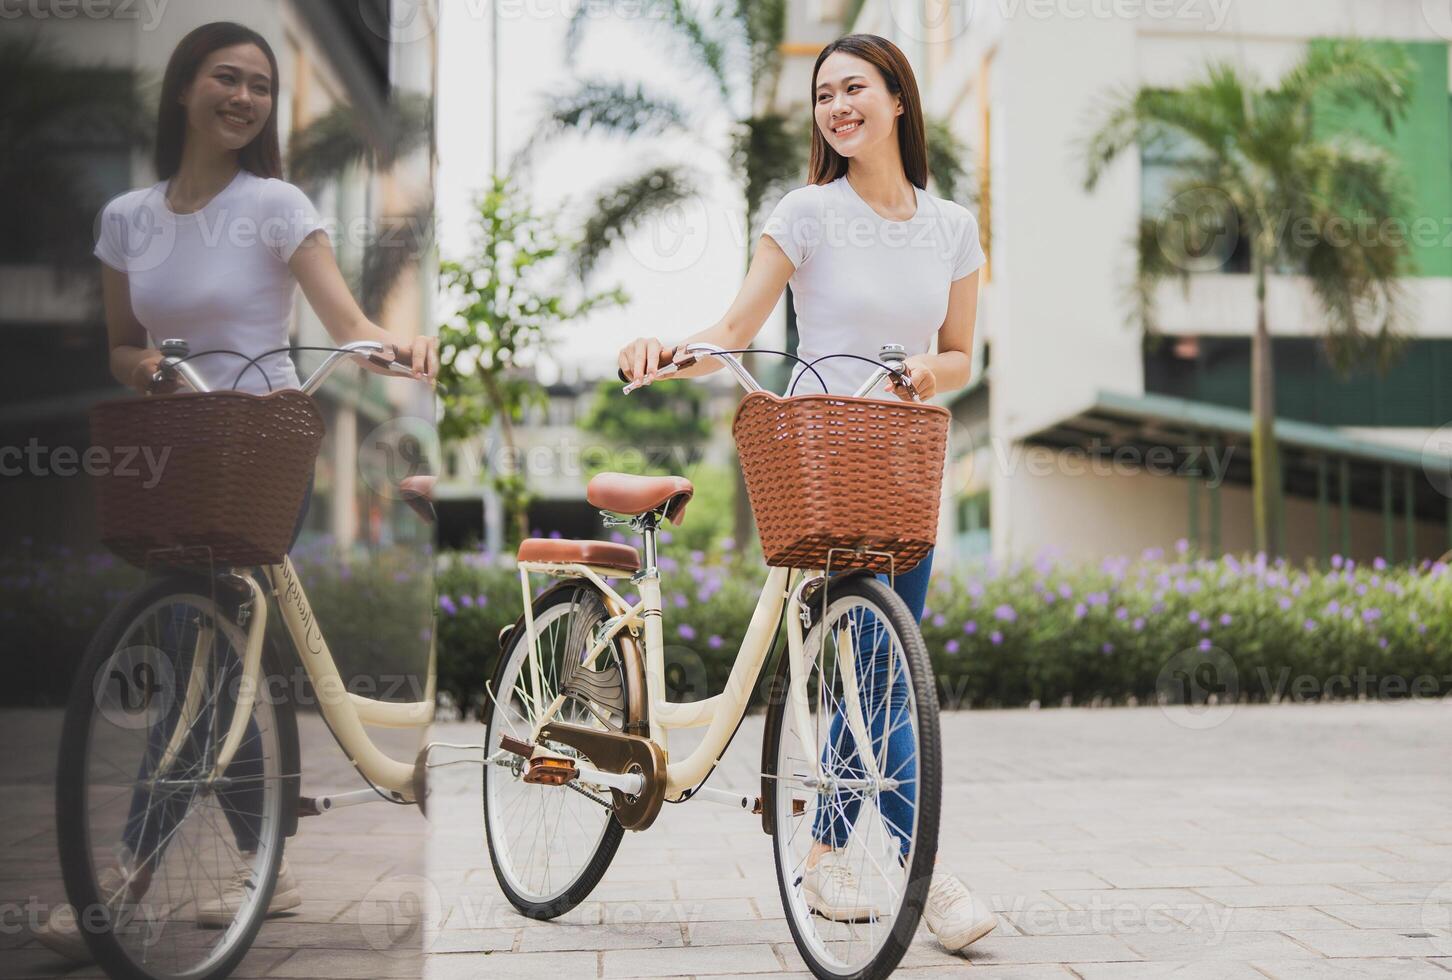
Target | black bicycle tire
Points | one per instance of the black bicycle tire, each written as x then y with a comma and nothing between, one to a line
72,832
930,773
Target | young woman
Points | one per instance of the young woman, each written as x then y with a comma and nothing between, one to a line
213,254
873,258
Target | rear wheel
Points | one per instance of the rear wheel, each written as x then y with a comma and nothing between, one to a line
854,812
170,863
550,845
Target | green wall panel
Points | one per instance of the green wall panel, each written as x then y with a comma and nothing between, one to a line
1423,143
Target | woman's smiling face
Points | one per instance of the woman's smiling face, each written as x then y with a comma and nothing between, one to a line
231,96
854,108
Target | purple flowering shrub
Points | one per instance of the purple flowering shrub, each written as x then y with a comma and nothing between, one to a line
1019,632
1002,634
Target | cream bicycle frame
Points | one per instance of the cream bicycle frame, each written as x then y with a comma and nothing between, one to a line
346,713
721,713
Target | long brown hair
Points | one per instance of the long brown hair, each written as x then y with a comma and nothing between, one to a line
826,164
262,156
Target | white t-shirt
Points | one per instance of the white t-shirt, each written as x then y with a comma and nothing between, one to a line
861,281
216,278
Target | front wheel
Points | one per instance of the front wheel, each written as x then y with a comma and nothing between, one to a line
854,811
170,858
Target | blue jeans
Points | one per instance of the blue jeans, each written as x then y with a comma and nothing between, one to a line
883,713
149,825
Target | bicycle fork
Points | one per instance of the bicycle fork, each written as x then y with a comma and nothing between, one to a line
800,668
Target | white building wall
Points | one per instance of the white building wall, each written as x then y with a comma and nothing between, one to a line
1062,507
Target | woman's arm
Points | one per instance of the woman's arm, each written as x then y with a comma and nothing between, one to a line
766,277
316,270
132,362
950,368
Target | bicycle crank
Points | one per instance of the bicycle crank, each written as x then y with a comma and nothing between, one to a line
633,768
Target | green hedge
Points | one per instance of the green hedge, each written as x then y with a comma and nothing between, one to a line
1045,632
1125,630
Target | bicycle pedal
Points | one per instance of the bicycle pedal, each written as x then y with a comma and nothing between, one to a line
516,746
549,771
799,807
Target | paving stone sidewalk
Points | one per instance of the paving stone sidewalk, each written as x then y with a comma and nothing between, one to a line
356,868
1287,842
1294,841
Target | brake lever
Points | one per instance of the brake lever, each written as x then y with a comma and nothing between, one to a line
902,378
660,372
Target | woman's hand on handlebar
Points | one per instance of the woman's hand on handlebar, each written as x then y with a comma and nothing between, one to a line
143,376
421,357
920,375
642,357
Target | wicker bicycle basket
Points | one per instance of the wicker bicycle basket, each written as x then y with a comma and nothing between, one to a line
833,471
215,476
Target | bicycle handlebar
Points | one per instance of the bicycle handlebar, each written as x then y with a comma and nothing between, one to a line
889,364
175,366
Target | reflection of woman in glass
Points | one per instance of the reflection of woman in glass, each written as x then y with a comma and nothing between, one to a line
212,254
873,258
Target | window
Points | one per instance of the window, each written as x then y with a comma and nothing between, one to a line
1168,195
1216,370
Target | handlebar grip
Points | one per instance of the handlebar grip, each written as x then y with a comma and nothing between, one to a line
399,356
667,359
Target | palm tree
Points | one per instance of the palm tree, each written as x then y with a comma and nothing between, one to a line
1258,171
734,50
326,147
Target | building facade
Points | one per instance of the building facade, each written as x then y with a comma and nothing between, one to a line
1079,434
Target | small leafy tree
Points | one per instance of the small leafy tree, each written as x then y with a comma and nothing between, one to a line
657,415
511,301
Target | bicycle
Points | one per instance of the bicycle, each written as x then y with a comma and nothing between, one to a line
577,727
179,744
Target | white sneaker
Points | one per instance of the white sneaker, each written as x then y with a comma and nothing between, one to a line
218,912
833,892
62,933
954,915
